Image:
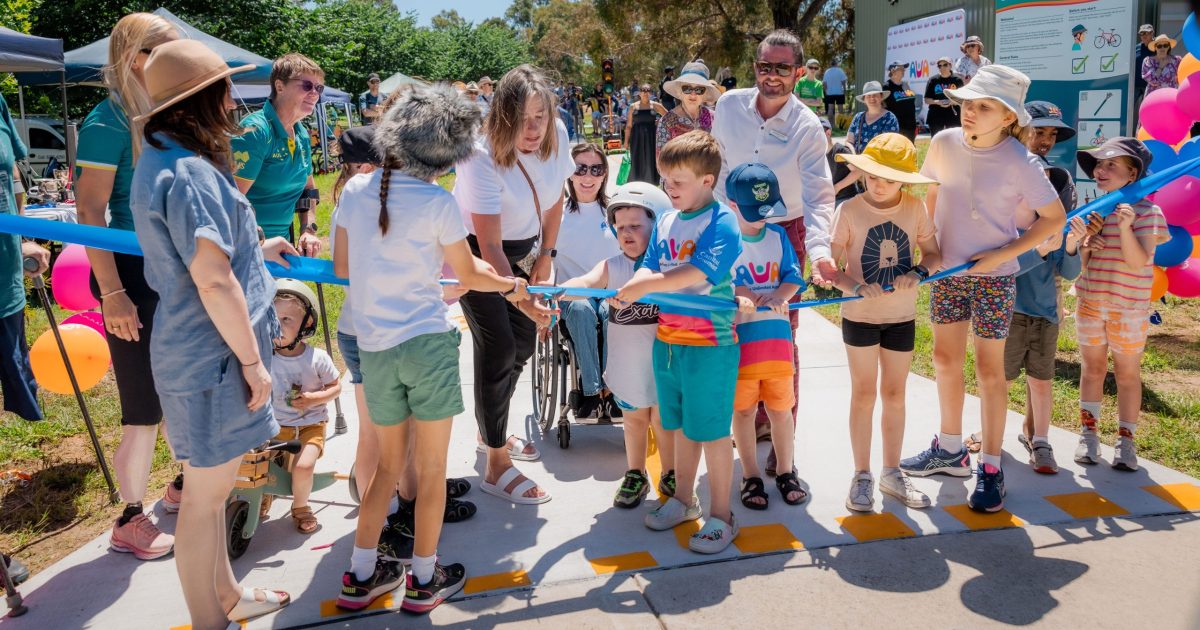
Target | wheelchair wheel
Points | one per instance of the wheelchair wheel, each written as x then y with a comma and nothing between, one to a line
545,385
236,514
564,434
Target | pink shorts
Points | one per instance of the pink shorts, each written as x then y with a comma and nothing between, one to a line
1124,331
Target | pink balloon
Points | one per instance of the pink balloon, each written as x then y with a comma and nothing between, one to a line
69,280
1162,118
1178,200
1183,280
1188,98
91,319
1193,229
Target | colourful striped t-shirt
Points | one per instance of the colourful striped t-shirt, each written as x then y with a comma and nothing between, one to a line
707,239
767,261
1106,278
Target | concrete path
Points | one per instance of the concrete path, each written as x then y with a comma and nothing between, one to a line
590,564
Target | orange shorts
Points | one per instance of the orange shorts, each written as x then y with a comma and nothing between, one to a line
776,394
1124,331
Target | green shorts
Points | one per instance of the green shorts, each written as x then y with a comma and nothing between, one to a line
695,388
417,378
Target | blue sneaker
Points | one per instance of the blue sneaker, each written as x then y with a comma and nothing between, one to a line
989,490
934,460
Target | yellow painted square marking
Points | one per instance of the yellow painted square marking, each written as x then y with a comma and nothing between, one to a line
881,526
329,607
1086,505
188,626
983,520
623,562
765,539
684,531
1185,496
497,581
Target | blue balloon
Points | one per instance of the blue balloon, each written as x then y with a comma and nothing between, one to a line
1176,250
1191,150
1191,34
1164,156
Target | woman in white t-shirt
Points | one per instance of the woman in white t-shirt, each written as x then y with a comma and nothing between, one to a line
584,240
510,193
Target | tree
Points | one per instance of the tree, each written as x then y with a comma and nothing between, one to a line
447,19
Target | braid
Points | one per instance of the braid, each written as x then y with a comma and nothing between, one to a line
383,194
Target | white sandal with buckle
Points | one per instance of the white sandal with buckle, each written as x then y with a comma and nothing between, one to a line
248,606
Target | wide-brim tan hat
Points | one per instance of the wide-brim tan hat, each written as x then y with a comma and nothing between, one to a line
890,156
180,68
999,83
694,73
1161,38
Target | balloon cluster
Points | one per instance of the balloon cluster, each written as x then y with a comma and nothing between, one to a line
82,333
1167,115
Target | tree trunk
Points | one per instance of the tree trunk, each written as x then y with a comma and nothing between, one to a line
786,13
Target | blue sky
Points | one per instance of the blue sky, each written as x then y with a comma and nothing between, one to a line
471,10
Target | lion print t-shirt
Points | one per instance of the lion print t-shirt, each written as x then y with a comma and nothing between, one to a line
877,246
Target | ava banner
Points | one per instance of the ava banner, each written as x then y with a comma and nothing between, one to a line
919,44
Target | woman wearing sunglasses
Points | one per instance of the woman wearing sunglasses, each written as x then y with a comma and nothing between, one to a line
1161,70
943,113
273,158
639,136
696,96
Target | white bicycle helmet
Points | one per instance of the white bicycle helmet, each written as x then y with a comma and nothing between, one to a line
648,197
300,291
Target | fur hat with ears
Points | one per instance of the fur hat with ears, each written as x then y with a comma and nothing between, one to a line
427,130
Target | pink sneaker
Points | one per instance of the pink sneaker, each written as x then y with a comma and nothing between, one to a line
141,538
171,498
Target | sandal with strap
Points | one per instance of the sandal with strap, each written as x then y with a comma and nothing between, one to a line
973,442
516,448
787,483
753,488
458,511
249,607
305,520
457,487
666,484
512,486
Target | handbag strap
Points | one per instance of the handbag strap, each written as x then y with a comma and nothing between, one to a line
537,205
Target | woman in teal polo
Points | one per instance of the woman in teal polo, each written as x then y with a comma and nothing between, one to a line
273,157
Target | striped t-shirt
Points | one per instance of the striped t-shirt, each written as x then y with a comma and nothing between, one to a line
1106,278
767,261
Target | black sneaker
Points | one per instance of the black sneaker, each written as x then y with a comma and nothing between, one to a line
396,539
666,483
446,582
989,490
633,489
589,406
357,595
611,406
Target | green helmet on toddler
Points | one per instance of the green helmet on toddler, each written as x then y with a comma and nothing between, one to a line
299,291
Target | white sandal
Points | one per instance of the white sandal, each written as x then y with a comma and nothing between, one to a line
518,493
516,450
249,607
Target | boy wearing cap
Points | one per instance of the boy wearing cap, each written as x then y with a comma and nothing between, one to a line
943,113
766,275
875,239
1113,312
809,89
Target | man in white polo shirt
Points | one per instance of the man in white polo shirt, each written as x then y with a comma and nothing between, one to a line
767,124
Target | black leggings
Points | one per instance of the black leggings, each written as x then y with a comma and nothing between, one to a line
503,339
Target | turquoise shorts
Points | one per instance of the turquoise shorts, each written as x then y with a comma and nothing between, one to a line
695,388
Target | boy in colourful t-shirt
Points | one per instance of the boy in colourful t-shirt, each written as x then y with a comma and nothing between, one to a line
766,275
692,251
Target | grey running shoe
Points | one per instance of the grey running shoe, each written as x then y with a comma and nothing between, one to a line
1041,455
1125,454
672,513
1088,451
862,493
900,486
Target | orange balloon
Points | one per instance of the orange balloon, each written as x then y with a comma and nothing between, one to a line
1196,244
1188,66
1143,135
1159,288
85,348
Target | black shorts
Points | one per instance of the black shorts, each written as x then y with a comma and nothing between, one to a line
131,359
899,337
835,99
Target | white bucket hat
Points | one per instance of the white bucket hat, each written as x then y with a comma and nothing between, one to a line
1000,83
694,73
869,88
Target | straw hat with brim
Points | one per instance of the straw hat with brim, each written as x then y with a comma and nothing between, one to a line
999,83
890,156
1160,39
692,74
869,88
178,69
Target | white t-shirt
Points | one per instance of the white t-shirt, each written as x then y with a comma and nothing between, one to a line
308,372
630,337
345,323
482,188
584,239
395,277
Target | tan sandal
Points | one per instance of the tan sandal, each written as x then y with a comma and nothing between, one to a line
305,520
973,442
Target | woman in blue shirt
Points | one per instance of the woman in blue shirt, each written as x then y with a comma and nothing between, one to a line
874,121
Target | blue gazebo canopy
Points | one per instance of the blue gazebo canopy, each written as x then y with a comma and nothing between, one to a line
28,53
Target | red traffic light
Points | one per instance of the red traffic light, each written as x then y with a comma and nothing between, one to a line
607,65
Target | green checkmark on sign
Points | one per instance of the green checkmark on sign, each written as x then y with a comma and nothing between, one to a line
1107,63
1078,65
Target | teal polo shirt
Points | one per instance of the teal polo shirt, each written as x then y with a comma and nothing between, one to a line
105,144
278,168
12,283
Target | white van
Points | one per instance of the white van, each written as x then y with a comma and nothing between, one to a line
45,139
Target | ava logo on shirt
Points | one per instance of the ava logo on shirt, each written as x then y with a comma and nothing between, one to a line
758,276
679,251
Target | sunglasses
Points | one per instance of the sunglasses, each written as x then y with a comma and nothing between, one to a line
373,81
145,51
1163,47
814,67
309,86
646,91
780,69
698,90
595,170
943,65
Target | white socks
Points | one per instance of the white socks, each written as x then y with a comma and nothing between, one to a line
992,460
950,443
1128,426
1092,408
422,567
1041,438
362,562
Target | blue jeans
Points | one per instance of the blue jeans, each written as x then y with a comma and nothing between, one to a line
581,317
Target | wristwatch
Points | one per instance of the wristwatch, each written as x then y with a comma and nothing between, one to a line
548,251
922,271
311,227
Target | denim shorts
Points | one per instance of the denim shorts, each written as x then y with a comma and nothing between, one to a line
348,346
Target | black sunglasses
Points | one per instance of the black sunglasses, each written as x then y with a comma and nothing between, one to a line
780,69
1163,47
698,90
943,65
596,169
309,86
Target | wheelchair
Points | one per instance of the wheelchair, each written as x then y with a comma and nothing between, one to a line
558,385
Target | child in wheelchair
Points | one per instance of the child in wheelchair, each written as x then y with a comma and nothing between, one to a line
631,214
304,381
